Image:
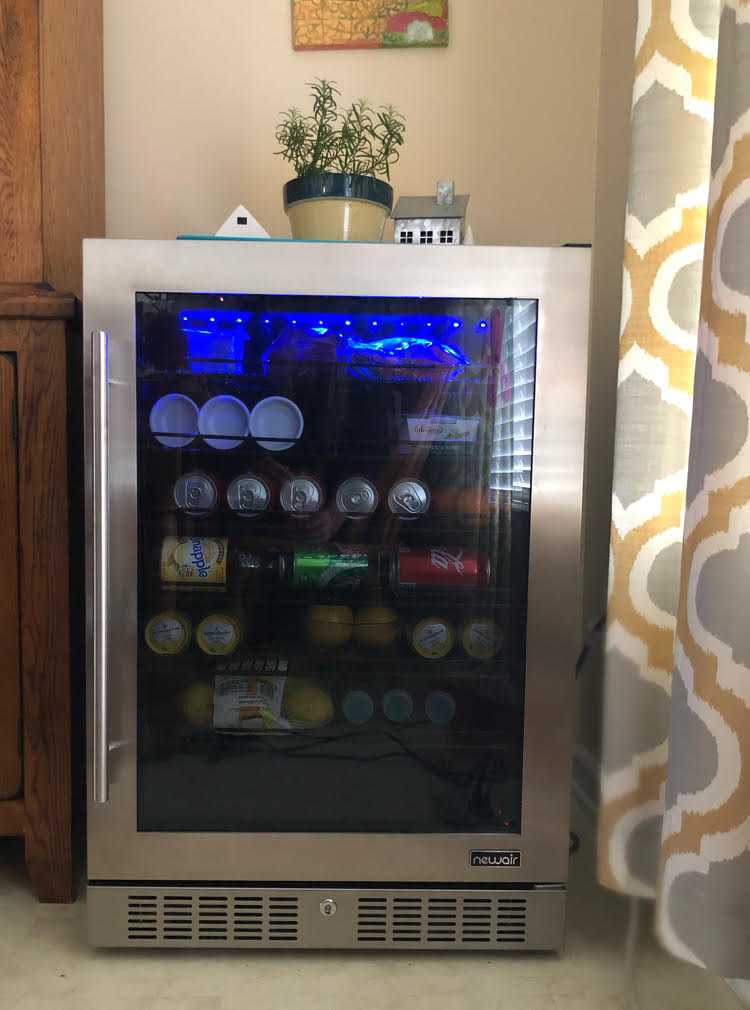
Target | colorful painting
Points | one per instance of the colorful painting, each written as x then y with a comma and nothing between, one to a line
369,24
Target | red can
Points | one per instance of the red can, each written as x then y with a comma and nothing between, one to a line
442,567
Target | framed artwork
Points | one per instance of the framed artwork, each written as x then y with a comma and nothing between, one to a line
369,24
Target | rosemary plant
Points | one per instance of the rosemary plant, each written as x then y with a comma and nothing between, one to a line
356,141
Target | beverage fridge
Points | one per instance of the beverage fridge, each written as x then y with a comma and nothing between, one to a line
333,592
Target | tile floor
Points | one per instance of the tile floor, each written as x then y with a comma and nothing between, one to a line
46,964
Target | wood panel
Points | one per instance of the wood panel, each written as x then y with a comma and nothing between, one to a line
34,300
72,130
12,817
10,669
45,650
20,160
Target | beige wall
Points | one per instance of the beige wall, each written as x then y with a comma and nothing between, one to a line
193,90
616,89
510,110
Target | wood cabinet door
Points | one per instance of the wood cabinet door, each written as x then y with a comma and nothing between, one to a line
10,668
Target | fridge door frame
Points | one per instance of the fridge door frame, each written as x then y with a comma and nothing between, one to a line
114,270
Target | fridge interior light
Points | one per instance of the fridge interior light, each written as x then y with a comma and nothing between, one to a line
216,338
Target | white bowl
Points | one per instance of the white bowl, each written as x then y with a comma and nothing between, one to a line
177,413
227,416
276,418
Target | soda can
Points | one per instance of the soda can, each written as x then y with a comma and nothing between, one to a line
441,567
248,495
301,496
356,497
409,498
337,567
196,494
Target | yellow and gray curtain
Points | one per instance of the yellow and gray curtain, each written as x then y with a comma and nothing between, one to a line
675,813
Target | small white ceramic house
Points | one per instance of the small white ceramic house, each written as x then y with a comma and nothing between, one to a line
426,220
241,224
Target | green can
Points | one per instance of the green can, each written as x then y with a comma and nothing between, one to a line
333,567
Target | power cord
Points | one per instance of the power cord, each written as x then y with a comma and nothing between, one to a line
586,647
631,946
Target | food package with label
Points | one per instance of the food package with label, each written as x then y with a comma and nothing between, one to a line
442,434
432,637
250,703
481,638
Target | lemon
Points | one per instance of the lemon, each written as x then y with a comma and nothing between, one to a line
376,625
197,703
329,626
307,705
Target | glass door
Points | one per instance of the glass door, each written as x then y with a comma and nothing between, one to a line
333,529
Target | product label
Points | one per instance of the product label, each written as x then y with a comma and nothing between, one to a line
483,639
328,568
166,634
494,857
194,560
432,635
442,428
432,639
243,703
446,560
218,635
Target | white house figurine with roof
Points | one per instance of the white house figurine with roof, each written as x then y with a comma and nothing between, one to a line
241,224
426,220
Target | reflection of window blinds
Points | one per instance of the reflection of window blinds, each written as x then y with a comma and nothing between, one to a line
514,414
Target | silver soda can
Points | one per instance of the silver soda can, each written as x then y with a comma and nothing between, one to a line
248,495
356,497
301,496
409,498
196,494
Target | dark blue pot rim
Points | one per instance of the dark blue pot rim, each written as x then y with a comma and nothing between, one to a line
360,187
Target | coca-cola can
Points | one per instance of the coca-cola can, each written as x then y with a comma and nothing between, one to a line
248,495
301,496
409,498
441,567
196,494
356,497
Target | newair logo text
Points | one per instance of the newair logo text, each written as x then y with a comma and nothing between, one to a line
494,857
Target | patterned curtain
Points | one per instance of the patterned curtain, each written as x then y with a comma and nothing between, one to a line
675,813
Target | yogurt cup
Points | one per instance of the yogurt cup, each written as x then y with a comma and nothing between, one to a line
175,413
225,417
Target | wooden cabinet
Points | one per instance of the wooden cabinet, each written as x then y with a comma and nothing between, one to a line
51,196
35,750
51,138
10,670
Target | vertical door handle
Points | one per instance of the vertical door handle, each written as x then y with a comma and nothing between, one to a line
100,418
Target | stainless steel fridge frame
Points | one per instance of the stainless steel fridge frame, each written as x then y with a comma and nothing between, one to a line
133,876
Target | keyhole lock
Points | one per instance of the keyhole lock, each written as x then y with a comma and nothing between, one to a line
328,907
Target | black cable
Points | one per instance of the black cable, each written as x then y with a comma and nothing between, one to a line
586,648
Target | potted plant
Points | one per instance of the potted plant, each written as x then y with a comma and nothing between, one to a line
337,155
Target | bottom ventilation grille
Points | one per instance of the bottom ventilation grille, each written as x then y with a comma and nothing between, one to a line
433,920
218,918
336,917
